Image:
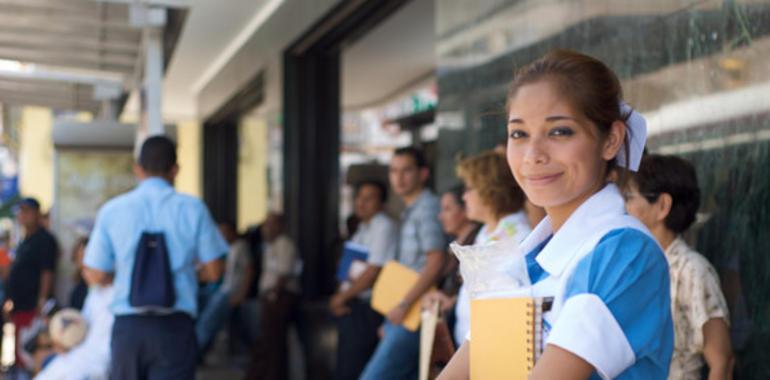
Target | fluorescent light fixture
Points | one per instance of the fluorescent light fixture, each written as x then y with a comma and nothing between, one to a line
8,65
16,69
153,3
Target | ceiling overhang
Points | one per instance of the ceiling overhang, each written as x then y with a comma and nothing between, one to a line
73,54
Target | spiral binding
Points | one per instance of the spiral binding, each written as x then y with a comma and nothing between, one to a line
542,305
531,331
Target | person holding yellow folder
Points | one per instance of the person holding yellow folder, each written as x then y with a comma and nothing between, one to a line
421,248
570,133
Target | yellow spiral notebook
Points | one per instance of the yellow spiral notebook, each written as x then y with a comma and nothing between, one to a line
506,337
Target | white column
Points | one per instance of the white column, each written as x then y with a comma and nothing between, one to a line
152,21
153,81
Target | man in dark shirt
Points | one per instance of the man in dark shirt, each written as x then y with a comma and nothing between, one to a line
31,279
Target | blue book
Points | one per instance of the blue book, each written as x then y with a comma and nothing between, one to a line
350,253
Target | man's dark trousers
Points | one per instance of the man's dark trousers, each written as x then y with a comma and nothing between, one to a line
154,347
357,339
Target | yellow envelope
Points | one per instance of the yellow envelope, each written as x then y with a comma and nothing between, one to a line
502,338
393,283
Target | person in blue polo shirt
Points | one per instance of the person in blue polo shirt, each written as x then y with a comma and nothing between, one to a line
155,343
570,136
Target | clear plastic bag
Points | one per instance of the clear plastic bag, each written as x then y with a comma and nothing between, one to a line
494,270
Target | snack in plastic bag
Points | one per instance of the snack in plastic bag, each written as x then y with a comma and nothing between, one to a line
506,320
494,270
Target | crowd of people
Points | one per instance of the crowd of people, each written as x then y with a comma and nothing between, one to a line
599,220
601,223
157,279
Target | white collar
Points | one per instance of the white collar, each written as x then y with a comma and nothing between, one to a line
566,243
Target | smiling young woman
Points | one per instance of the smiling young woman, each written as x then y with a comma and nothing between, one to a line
567,133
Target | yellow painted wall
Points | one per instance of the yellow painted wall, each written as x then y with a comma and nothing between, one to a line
36,155
252,171
252,167
189,156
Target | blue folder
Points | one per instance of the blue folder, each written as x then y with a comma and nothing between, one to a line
351,252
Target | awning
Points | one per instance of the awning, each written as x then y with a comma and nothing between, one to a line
74,54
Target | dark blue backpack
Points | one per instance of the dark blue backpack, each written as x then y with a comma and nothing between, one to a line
152,280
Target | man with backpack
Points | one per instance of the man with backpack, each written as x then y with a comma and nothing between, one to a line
154,244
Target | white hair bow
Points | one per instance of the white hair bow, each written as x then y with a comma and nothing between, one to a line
637,137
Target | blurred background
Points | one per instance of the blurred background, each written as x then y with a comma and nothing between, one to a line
283,104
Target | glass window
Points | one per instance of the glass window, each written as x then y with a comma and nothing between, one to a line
697,70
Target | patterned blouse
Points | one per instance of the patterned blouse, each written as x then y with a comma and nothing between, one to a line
696,297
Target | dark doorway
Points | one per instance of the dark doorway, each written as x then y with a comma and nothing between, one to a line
220,169
311,168
221,149
312,135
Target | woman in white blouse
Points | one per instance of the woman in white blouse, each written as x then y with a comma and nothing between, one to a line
492,198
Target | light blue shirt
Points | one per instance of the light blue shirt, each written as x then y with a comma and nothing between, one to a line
191,236
612,301
626,272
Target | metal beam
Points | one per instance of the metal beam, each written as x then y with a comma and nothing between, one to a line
47,90
74,99
48,83
94,19
54,32
56,51
61,103
55,25
78,97
44,41
54,5
58,104
152,3
52,11
63,77
86,61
